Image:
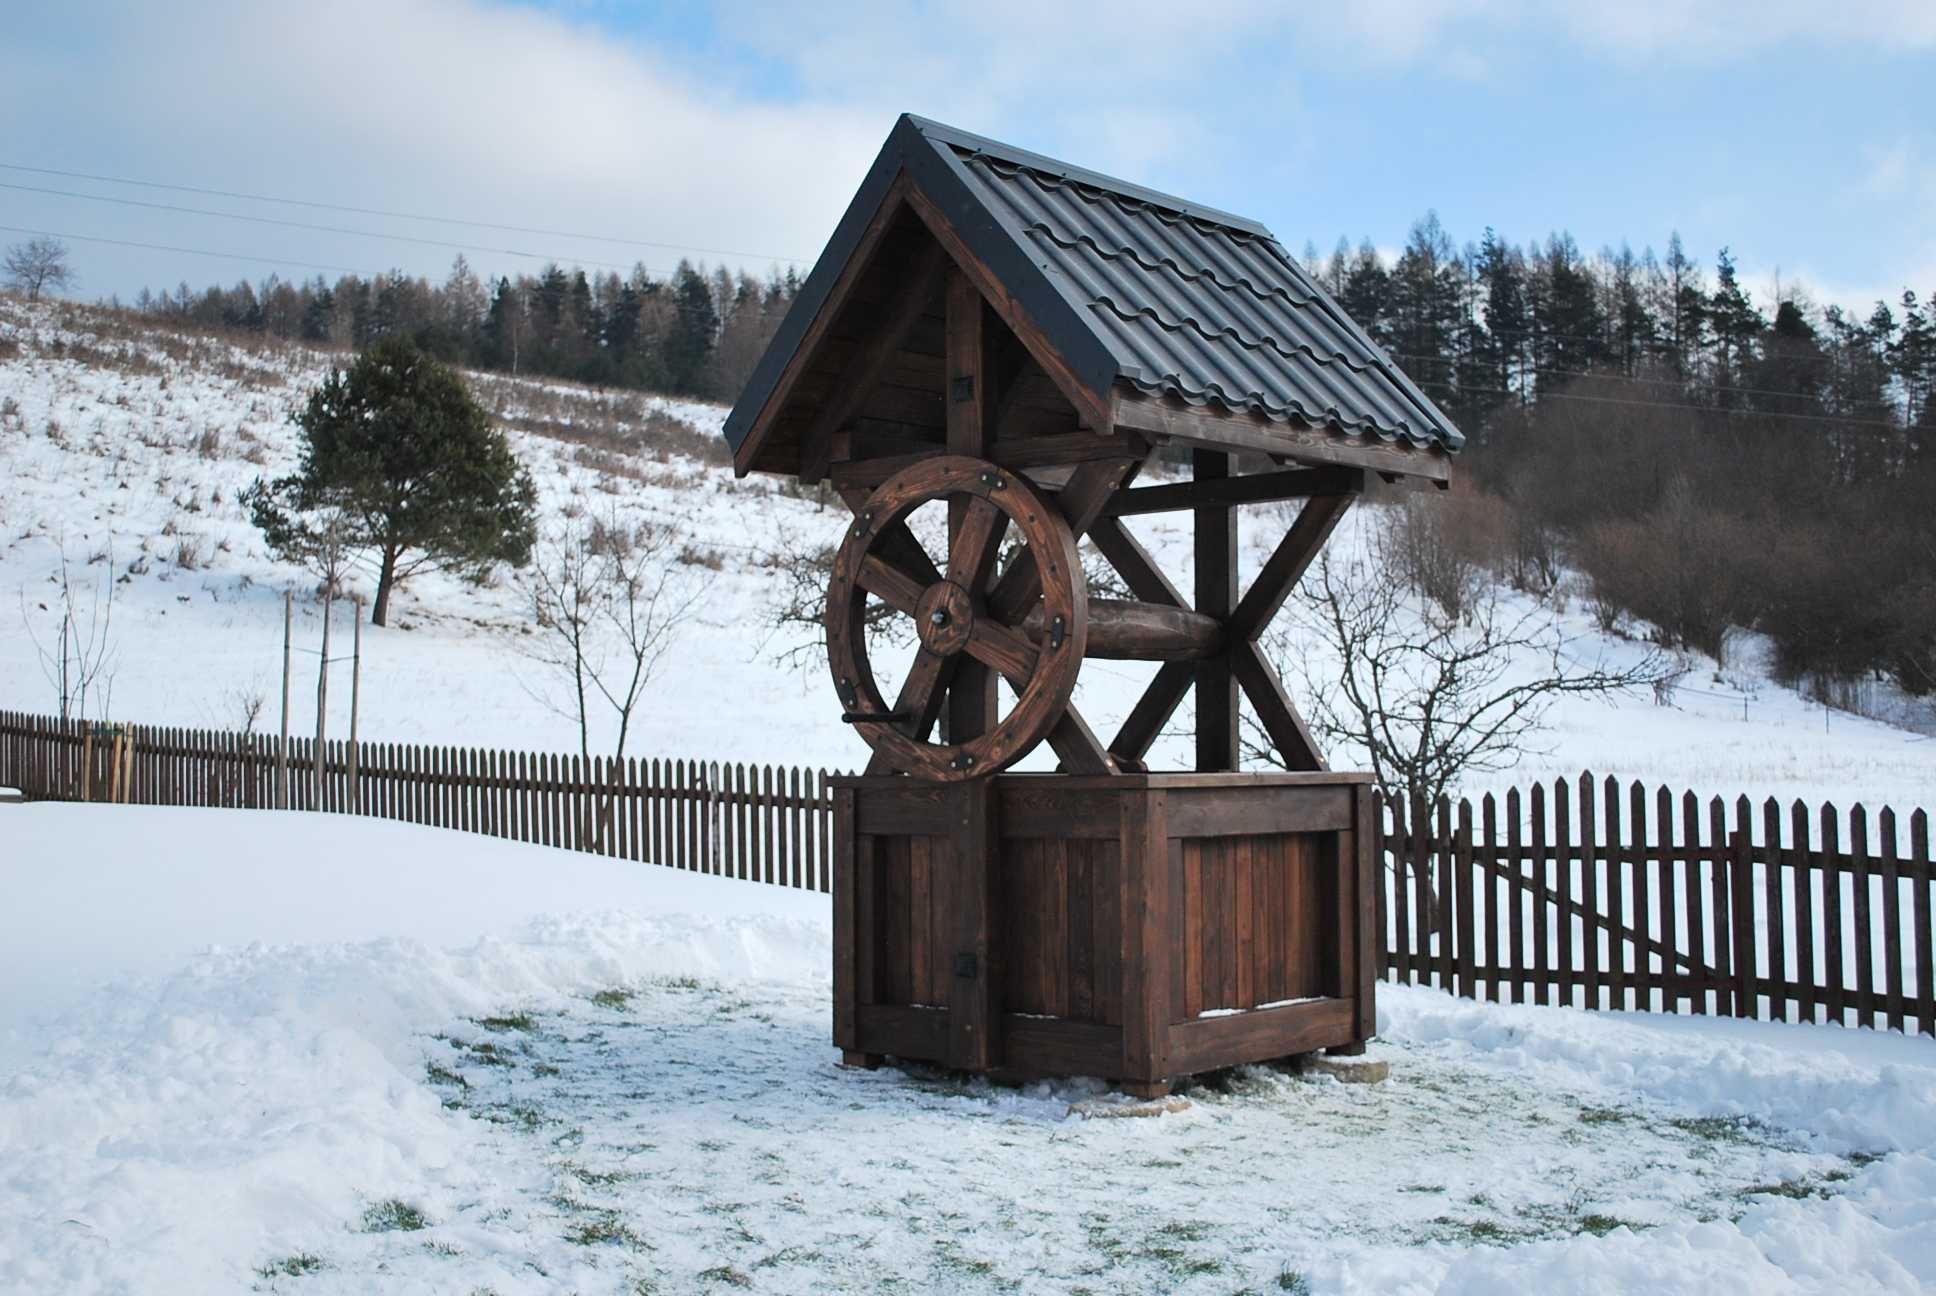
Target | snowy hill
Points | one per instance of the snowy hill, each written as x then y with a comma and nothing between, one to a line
125,446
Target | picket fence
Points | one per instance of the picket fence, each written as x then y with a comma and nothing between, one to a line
1590,893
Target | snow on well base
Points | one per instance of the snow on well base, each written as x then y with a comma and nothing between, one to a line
468,1064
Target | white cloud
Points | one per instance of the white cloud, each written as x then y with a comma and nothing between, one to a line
441,106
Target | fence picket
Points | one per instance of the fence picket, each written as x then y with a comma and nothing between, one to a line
1925,964
1891,920
1859,876
1616,857
1836,975
1641,855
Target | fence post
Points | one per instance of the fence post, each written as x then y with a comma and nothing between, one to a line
1741,870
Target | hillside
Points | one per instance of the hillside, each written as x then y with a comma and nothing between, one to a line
124,446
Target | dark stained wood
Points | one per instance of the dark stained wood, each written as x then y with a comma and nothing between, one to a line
1287,564
973,537
1925,929
1259,682
1124,630
1616,858
1836,1000
1215,543
1256,488
1152,711
974,1026
1742,904
1165,421
892,204
1133,563
1860,876
865,367
1146,939
1232,812
1489,897
1215,1042
1691,890
1092,407
847,931
1795,856
1891,920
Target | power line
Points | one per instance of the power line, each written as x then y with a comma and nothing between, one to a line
162,247
306,225
1457,389
377,211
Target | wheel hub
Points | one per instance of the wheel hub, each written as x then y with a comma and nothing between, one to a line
945,619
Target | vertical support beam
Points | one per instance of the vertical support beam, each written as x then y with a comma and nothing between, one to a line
846,924
972,697
974,1022
1216,595
1146,936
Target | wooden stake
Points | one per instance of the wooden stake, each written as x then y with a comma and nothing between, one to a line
322,709
282,747
356,691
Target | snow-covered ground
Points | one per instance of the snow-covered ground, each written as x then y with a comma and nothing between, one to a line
343,1056
129,445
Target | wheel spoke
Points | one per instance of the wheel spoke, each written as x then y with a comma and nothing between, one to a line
922,693
1007,651
978,540
891,584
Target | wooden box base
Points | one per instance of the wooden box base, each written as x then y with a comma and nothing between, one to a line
1139,928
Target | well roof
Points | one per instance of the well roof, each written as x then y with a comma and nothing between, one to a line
1134,287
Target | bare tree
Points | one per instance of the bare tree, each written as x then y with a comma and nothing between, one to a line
1429,697
77,653
608,601
38,265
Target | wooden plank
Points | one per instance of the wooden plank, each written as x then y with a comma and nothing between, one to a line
1567,968
1691,890
830,309
864,368
1243,866
1033,1046
1797,856
1237,812
1140,572
1489,899
1081,947
1254,488
1834,974
1445,965
1163,421
846,929
1590,891
973,692
1147,938
923,988
1424,913
1640,974
1153,710
1045,809
1257,679
1722,892
1542,964
902,1031
1666,889
1516,898
1463,902
1053,917
1774,882
1214,1042
974,1029
1215,547
1925,930
1401,908
1864,932
1366,868
1742,903
1616,855
1891,921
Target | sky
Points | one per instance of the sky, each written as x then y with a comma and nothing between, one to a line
1800,134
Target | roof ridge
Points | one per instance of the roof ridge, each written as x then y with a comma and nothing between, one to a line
1171,264
1171,212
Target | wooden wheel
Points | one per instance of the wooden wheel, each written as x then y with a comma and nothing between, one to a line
950,610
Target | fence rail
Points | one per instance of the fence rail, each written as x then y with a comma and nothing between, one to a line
1588,893
764,823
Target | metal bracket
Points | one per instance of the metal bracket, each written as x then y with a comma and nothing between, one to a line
963,389
992,480
1057,633
875,717
967,966
962,761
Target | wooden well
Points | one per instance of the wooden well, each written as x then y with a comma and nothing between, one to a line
1137,927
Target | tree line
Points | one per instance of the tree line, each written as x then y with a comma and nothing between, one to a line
1707,467
697,333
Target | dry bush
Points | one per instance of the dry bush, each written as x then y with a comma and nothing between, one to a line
1688,570
188,554
696,555
1445,545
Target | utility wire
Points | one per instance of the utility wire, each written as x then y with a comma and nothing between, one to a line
162,247
323,229
377,211
1617,377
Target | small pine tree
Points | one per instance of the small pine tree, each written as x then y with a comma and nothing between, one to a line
400,461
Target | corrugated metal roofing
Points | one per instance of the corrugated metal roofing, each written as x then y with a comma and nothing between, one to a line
1204,310
1133,286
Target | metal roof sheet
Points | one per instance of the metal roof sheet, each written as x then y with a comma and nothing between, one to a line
1134,286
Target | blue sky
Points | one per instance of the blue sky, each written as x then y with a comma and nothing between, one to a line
1803,135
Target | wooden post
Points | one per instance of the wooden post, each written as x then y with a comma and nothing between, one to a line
974,1025
973,699
356,697
1146,948
1216,596
322,707
282,746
